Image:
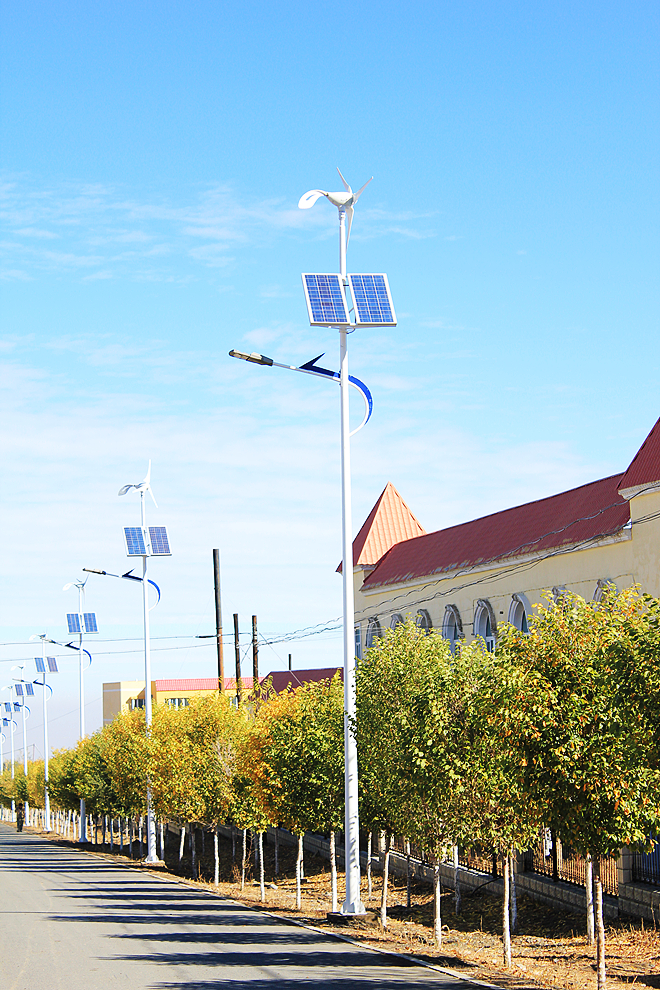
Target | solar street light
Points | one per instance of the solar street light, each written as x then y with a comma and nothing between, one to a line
80,623
24,689
145,542
45,665
7,722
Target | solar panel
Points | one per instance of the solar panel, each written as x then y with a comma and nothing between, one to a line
17,706
8,706
160,545
52,665
326,301
19,690
89,621
40,665
136,545
29,690
73,620
5,721
373,302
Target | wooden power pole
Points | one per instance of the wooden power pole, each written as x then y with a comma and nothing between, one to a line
218,619
255,656
237,651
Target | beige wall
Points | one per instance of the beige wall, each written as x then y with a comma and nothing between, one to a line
632,556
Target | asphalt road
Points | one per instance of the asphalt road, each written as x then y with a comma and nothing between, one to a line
72,921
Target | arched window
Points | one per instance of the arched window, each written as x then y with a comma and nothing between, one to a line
396,620
603,587
452,626
374,632
485,624
519,612
423,621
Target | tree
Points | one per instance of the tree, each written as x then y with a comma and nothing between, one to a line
585,726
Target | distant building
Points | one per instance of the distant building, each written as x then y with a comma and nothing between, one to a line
464,580
125,695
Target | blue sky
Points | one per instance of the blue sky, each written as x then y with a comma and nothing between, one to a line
153,155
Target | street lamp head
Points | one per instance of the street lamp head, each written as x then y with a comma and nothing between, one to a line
252,358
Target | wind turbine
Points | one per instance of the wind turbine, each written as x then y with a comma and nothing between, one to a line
345,203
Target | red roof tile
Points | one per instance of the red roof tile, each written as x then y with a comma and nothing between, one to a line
282,680
645,466
201,684
389,522
571,517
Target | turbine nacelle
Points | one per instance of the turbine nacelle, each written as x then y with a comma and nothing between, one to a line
141,487
342,200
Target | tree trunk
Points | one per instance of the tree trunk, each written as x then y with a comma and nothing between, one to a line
216,857
105,823
457,884
233,843
112,833
244,859
140,837
386,872
408,890
182,842
299,860
514,897
193,850
333,871
600,928
589,890
277,850
506,930
161,832
121,835
369,848
131,835
262,880
437,906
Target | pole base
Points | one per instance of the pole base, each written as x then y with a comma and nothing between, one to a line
153,862
339,918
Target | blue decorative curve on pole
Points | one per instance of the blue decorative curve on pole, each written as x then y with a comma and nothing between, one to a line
313,368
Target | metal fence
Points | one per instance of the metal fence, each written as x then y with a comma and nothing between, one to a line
563,864
646,866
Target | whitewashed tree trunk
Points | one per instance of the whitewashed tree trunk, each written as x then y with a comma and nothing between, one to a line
600,928
333,871
162,839
589,890
244,859
408,887
182,842
112,834
131,836
216,857
105,826
193,850
514,896
299,869
506,930
121,834
457,883
262,879
369,852
386,873
437,906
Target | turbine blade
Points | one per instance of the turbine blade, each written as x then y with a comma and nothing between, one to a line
308,200
152,496
349,218
346,185
360,191
126,488
148,475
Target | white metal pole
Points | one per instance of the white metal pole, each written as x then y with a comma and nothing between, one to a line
152,856
12,727
45,711
81,591
25,759
353,903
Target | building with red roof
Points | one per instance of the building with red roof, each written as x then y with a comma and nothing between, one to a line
464,580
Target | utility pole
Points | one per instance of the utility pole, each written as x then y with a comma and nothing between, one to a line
255,656
237,652
290,667
218,619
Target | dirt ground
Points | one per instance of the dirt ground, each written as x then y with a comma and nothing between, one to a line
549,948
